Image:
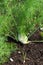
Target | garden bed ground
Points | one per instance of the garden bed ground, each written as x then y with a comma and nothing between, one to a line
31,54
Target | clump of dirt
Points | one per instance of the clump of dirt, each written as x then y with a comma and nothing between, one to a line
31,54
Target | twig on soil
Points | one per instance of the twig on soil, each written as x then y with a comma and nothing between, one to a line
34,41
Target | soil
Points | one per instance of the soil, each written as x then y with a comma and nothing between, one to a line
30,54
36,36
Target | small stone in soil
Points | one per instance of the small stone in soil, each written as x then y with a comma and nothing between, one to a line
11,60
41,29
24,61
19,52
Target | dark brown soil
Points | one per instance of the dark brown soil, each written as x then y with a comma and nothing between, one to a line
31,54
36,36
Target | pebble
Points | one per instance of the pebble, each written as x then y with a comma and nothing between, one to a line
11,60
19,52
41,29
